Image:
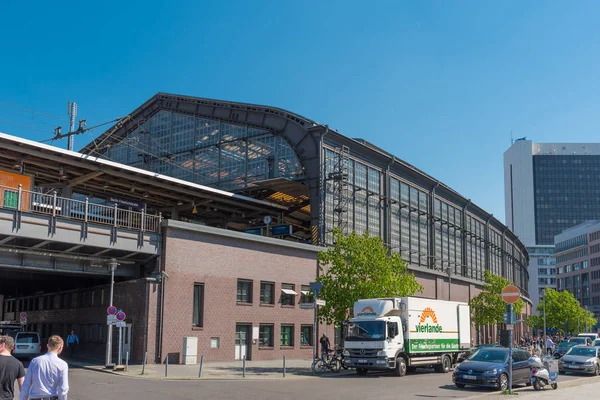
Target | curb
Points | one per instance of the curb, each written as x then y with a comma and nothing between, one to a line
204,378
565,385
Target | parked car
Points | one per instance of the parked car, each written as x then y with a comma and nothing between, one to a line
562,348
585,341
580,359
472,350
592,336
488,367
596,342
27,345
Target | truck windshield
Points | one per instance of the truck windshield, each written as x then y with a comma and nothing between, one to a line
366,330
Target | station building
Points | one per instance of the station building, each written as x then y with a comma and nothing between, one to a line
215,212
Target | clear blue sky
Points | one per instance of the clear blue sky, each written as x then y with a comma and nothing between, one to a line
440,84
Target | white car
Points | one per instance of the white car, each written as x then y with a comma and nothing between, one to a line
27,345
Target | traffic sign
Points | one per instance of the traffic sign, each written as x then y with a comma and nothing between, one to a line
320,302
307,306
23,314
111,319
23,321
121,316
509,327
316,287
511,294
510,318
121,324
112,310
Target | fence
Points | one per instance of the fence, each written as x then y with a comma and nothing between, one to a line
51,204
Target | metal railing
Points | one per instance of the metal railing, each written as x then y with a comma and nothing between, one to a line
51,204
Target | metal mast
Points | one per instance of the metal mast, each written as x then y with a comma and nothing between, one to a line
340,188
72,112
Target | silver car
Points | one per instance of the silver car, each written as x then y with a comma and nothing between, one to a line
580,359
27,345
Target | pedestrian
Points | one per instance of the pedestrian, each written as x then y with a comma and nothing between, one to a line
549,345
72,341
47,376
325,345
11,369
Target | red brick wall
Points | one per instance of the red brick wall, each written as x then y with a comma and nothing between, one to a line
218,262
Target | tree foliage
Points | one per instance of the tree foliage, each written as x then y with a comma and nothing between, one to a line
563,313
360,267
488,308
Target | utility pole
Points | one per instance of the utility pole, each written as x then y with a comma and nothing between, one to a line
72,112
545,348
112,266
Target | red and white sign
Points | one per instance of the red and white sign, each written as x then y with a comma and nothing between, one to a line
112,310
121,316
511,294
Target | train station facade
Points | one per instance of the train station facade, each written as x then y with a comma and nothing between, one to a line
215,212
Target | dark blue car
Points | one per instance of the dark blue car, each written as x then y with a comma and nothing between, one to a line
488,367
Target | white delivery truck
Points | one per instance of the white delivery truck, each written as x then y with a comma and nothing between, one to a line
405,333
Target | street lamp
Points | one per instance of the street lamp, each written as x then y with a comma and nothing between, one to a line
112,267
545,348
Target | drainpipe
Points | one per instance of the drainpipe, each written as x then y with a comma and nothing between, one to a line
161,268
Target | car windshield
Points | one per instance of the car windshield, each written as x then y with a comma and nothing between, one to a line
566,345
489,355
365,330
578,340
582,351
592,337
27,338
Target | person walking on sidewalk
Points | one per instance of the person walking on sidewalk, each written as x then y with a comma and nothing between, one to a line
72,341
11,369
47,376
549,345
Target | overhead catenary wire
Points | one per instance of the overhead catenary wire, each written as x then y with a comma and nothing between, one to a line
6,105
26,117
24,125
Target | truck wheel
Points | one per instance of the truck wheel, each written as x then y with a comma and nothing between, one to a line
446,364
400,367
361,371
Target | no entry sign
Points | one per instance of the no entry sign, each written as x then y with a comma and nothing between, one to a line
511,294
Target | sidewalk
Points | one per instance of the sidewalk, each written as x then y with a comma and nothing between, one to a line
584,388
214,370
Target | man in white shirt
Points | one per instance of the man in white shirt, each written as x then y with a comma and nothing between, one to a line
47,376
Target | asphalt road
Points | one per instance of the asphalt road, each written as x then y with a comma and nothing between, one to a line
91,385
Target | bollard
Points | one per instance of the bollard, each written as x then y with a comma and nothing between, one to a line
167,367
127,361
284,366
201,362
244,367
144,363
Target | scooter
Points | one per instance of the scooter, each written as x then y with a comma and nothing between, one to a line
540,374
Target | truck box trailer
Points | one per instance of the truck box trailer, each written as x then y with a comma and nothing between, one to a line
405,333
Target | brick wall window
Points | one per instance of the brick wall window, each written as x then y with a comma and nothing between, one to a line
288,294
265,335
198,314
287,335
244,291
306,335
267,293
306,295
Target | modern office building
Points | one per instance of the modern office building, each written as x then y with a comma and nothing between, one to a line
577,252
549,187
215,211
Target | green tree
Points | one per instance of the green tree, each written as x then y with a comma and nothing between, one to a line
360,267
563,313
488,308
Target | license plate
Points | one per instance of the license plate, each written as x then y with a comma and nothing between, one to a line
22,347
574,366
469,377
362,361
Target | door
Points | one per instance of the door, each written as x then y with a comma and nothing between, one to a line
242,333
520,366
127,341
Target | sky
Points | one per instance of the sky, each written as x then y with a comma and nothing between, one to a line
439,84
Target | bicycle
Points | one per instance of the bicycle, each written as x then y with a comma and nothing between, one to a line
327,362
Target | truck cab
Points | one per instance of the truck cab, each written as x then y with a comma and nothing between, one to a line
398,334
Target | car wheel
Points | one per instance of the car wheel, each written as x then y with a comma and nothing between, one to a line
400,367
596,370
460,385
503,382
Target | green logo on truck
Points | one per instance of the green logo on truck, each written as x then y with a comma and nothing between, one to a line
428,313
